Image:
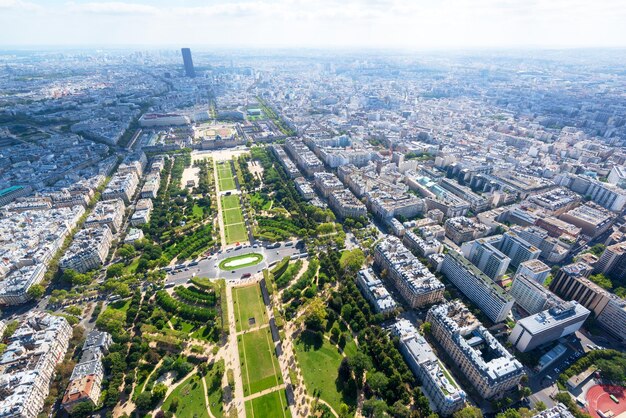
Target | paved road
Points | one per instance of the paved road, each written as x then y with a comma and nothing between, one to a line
210,267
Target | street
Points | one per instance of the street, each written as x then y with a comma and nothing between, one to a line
210,267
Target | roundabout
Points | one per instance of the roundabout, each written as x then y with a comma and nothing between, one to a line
240,261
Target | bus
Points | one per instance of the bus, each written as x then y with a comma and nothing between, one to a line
614,399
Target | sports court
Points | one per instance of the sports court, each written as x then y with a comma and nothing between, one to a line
599,399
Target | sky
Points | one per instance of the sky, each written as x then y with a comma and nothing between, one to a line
401,24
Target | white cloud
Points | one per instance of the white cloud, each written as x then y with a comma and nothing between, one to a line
377,23
113,8
19,5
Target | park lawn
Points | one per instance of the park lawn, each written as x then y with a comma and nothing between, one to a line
202,333
132,267
197,211
190,396
350,348
260,369
227,184
248,303
232,216
236,233
230,202
185,326
272,404
120,305
319,362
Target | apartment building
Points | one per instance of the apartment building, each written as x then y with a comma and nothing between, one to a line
304,188
477,202
305,159
534,269
530,295
556,201
424,247
107,212
461,229
86,380
151,186
484,254
612,262
88,250
477,286
29,241
489,367
327,183
592,219
613,316
438,384
290,168
122,186
386,205
557,411
143,209
28,364
417,285
346,205
517,249
375,292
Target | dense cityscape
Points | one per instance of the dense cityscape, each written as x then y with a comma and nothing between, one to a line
192,233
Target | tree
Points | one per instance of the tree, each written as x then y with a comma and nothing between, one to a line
315,314
602,281
36,291
351,261
126,251
613,369
526,392
115,270
377,381
426,326
375,408
82,410
468,412
400,410
159,391
144,401
359,363
540,406
509,413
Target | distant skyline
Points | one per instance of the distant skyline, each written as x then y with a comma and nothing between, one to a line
406,24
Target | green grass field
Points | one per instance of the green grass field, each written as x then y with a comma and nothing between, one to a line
260,369
273,404
319,362
235,228
236,233
231,202
248,303
225,176
232,216
190,396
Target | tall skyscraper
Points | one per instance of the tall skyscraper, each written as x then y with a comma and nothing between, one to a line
189,71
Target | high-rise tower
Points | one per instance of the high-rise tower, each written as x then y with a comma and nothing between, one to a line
189,71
